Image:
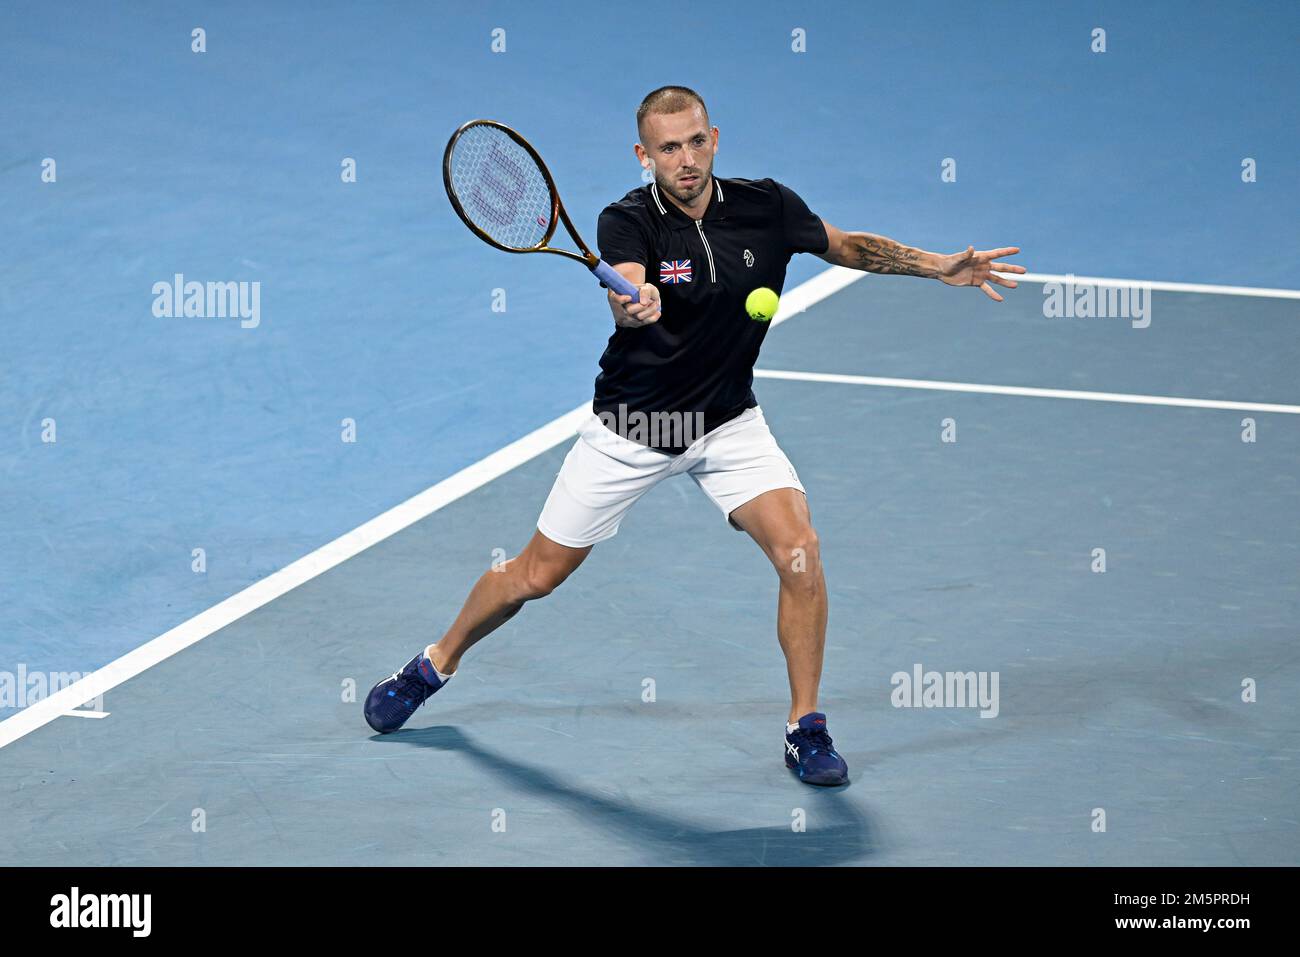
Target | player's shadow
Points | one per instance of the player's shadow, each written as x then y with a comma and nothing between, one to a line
842,833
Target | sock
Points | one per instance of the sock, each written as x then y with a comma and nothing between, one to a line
791,728
441,676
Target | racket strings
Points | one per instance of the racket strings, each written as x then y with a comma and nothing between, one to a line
500,187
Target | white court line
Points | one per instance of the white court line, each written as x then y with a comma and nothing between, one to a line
816,289
291,576
1156,285
940,386
429,501
837,277
76,713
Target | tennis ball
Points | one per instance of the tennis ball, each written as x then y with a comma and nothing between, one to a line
761,304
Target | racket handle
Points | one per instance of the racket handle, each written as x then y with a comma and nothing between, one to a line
612,278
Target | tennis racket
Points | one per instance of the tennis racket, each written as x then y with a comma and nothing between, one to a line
499,186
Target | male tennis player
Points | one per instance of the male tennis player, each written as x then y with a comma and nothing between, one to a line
674,396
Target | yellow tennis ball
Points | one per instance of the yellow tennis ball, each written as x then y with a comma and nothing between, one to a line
761,304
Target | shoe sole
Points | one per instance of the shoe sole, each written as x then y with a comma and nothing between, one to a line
380,730
821,782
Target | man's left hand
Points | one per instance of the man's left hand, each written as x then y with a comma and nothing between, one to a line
971,268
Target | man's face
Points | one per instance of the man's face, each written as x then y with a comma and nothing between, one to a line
681,147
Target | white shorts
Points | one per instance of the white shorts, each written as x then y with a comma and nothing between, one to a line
605,473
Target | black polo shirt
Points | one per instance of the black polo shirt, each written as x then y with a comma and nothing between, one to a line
699,357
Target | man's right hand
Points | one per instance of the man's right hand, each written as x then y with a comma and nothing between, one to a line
632,315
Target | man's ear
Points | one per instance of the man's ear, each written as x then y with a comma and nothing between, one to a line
645,159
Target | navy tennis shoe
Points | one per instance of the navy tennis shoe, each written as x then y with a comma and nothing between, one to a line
808,751
391,703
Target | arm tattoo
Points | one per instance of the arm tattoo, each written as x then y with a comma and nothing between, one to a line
878,254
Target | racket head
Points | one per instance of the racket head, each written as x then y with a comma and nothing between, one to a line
500,188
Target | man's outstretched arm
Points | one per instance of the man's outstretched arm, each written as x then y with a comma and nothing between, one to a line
880,254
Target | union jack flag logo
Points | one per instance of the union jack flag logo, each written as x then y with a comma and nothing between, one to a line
679,270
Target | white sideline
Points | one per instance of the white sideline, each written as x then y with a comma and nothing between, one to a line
941,386
291,576
1158,286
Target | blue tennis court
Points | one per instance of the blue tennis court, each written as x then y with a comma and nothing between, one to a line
229,528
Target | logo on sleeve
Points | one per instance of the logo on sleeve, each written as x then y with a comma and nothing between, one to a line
749,258
678,270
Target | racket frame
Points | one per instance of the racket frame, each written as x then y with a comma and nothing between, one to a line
559,214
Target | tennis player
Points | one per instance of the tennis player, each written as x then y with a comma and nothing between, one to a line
674,396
